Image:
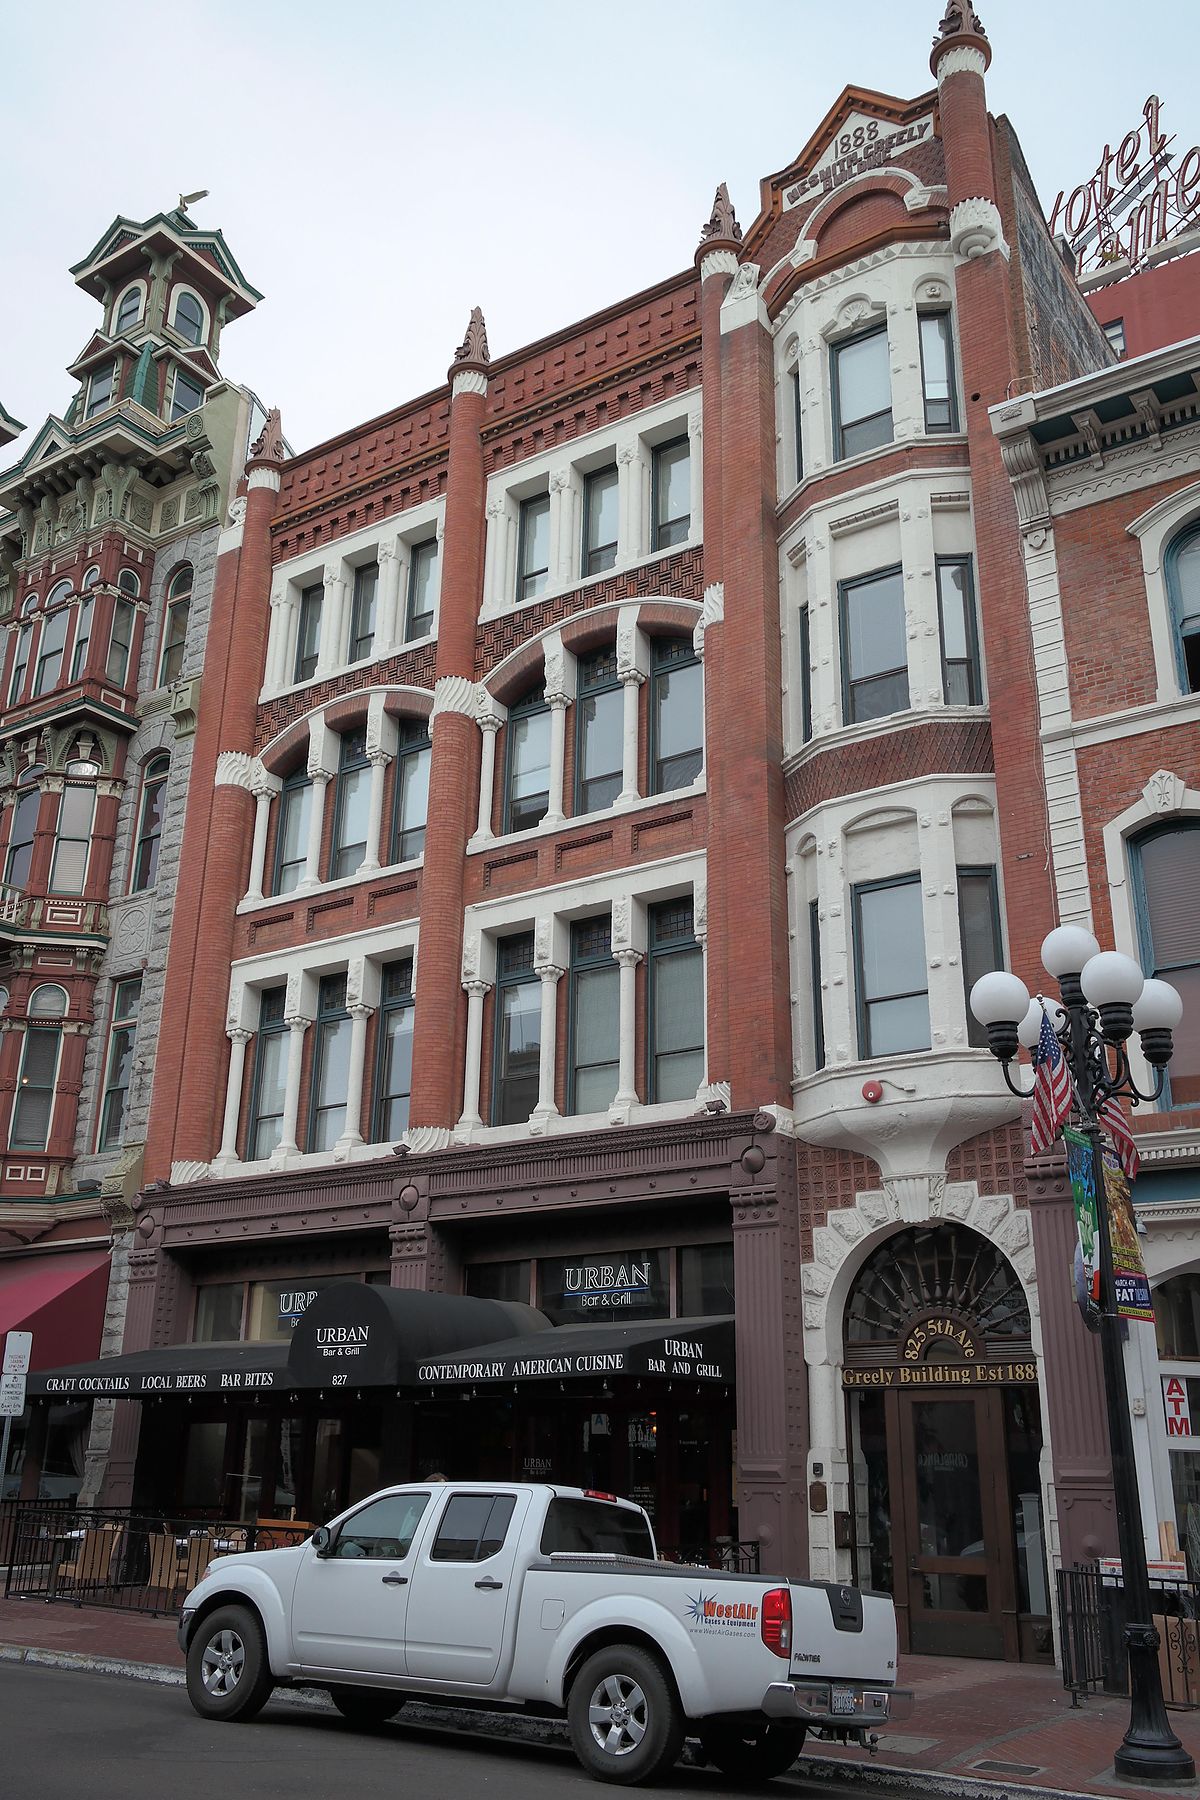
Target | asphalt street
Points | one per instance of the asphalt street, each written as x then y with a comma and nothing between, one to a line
73,1736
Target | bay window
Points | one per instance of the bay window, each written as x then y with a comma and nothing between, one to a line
518,1031
890,969
33,1106
862,393
72,840
874,646
23,828
20,662
599,731
675,1003
595,1025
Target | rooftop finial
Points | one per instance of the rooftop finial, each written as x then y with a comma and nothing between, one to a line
474,347
961,20
268,445
723,220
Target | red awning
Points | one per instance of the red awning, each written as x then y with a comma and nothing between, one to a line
60,1299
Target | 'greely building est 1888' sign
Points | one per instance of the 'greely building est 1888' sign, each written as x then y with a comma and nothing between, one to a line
1142,194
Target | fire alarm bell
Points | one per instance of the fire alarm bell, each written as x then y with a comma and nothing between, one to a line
872,1092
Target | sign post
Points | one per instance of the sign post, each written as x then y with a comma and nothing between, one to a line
18,1349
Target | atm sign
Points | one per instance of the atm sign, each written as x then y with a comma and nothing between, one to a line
1176,1407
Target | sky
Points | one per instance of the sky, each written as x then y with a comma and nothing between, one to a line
379,169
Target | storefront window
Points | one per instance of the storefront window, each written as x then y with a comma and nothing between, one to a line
498,1280
643,1460
1177,1316
204,1466
705,1280
605,1286
276,1307
219,1312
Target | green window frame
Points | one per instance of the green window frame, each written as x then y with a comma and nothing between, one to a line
670,473
410,795
308,631
533,547
122,1035
526,756
675,717
517,1037
264,1124
329,1086
1181,568
594,1018
599,731
600,520
980,939
296,797
675,1042
421,599
962,680
363,606
393,1052
351,807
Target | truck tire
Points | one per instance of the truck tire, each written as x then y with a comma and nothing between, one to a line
625,1721
751,1752
228,1674
365,1706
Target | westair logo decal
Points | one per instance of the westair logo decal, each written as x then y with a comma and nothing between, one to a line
721,1618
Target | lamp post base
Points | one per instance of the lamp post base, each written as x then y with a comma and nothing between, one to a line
1149,1751
1168,1763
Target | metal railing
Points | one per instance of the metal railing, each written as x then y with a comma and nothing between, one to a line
13,906
136,1561
740,1558
1091,1610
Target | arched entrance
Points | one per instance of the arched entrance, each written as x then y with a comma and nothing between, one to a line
945,1433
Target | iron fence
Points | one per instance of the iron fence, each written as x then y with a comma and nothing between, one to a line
136,1561
1091,1611
739,1558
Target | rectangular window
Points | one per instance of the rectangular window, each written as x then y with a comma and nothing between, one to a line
961,683
174,639
937,372
83,635
675,1006
20,663
411,795
501,1281
1114,331
186,394
891,973
100,392
127,998
527,789
874,646
351,807
331,1065
422,589
291,841
671,493
393,1065
676,715
362,611
533,547
862,394
72,840
595,1033
599,521
806,730
50,651
979,929
120,642
308,633
814,974
705,1280
219,1308
797,424
269,1081
599,731
518,1031
35,1089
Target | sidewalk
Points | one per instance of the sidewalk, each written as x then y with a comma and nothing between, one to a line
976,1728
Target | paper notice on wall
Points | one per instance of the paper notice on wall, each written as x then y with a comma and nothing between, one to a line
1176,1407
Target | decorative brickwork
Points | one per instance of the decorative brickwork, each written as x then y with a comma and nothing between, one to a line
933,747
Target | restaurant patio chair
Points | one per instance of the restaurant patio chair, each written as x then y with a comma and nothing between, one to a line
93,1558
164,1561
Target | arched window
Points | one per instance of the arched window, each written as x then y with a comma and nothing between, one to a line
179,601
34,1103
60,592
72,839
150,818
91,578
1166,869
189,316
676,715
527,781
24,825
128,583
48,1002
129,310
1183,584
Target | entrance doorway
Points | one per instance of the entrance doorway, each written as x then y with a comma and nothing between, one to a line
945,1431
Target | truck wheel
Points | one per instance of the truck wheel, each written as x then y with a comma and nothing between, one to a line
228,1674
754,1752
625,1721
365,1705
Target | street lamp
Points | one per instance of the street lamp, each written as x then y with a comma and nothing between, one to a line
1105,998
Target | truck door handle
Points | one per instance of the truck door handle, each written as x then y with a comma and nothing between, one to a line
394,1580
488,1583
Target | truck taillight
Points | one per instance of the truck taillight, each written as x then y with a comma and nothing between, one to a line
775,1620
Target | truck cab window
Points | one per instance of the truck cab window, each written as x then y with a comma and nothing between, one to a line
384,1530
590,1528
473,1527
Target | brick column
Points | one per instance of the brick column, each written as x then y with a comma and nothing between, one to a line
440,1021
747,890
193,1051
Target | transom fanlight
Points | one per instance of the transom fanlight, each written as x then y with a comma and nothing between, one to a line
932,1269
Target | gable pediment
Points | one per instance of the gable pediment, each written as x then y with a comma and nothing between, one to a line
863,129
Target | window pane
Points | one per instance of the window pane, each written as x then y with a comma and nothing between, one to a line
520,1052
20,841
395,1074
937,371
54,636
329,1113
892,970
412,803
384,1530
602,736
980,946
362,626
678,726
1170,866
596,1035
422,582
354,812
218,1313
149,834
705,1280
119,1067
600,508
472,1527
672,494
897,1025
271,1075
308,636
952,584
875,647
173,642
529,765
535,546
678,1002
120,641
863,379
72,840
35,1093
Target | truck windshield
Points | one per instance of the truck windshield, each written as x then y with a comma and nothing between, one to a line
592,1528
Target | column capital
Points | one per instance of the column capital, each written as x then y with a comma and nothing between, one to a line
551,972
378,757
477,989
239,1034
358,1009
628,959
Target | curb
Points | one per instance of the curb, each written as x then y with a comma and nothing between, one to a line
825,1773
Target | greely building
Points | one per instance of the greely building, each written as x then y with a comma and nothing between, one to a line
108,542
580,903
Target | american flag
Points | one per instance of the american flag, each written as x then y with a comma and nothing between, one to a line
1052,1090
1111,1115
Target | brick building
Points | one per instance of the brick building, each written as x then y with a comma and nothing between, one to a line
108,548
580,903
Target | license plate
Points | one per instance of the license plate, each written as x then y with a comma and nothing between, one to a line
841,1700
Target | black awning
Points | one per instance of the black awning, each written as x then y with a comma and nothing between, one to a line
684,1349
169,1369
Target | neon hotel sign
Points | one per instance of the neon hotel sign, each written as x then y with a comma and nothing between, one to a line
1135,201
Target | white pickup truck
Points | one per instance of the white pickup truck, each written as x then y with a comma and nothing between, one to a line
551,1600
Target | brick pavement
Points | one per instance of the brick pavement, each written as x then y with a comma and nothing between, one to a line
975,1722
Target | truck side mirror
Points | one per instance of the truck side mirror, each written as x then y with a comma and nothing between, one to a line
322,1541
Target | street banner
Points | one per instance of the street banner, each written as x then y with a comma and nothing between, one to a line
1130,1280
1083,1191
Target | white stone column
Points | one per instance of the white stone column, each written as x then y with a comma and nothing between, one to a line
390,624
695,478
943,945
558,749
332,651
631,687
283,607
921,627
379,760
263,795
352,1130
545,1110
477,991
564,564
490,718
626,1098
238,1039
824,638
316,825
297,1026
841,1026
497,556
